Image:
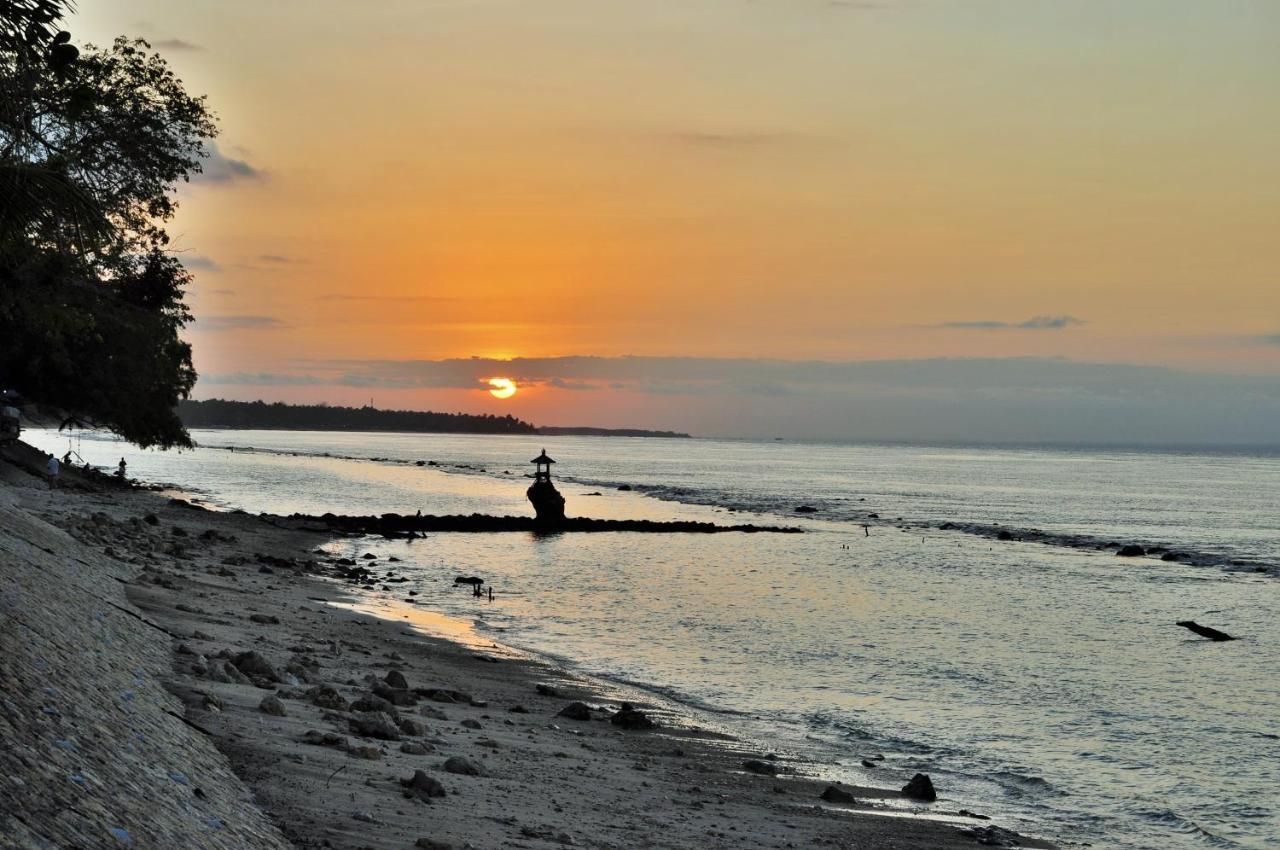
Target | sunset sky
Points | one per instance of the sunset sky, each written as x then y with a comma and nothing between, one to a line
402,185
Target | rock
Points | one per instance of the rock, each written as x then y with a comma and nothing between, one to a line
395,696
471,724
1004,535
474,581
210,702
363,817
1204,631
229,674
1173,556
265,619
462,767
546,690
395,679
433,712
266,570
369,556
151,519
409,726
760,768
422,786
806,509
576,711
317,738
838,795
518,709
375,724
1131,551
373,702
625,488
252,664
920,788
364,751
630,717
431,843
994,836
415,748
272,705
325,696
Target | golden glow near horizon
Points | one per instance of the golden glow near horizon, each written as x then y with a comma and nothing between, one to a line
502,387
794,179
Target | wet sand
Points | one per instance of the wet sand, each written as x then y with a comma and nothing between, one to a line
270,716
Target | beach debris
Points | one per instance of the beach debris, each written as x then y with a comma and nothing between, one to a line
630,717
375,724
575,711
760,768
462,767
1131,550
271,704
422,786
833,794
920,788
1204,631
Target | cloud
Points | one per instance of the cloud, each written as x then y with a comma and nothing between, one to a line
277,259
175,44
198,261
1035,323
1269,339
726,140
391,299
217,167
234,323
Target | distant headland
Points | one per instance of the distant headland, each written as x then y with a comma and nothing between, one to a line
278,416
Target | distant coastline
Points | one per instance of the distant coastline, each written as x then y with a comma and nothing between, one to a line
278,416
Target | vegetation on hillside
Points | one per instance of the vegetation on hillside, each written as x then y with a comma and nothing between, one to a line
93,143
217,413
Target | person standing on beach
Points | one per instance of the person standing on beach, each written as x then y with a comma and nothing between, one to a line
120,470
52,469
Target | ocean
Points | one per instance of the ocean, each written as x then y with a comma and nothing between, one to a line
1044,684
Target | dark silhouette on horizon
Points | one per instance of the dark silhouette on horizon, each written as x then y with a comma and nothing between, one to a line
546,499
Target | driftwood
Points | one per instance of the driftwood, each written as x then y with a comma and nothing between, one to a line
1204,631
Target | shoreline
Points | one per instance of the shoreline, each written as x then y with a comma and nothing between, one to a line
258,589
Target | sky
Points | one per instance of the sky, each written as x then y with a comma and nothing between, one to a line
915,219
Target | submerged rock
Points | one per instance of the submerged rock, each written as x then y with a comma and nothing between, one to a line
1132,550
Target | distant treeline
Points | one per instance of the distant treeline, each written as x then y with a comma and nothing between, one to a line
556,431
218,413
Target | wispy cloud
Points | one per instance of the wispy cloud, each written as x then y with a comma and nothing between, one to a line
390,299
175,44
198,261
236,323
1035,323
217,167
275,259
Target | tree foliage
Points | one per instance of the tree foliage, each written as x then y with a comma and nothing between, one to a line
93,142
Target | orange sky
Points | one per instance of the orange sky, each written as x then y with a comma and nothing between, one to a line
797,179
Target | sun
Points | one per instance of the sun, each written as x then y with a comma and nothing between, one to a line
502,387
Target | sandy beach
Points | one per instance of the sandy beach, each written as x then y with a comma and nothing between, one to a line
176,677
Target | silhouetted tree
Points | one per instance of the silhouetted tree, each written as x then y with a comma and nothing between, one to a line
92,144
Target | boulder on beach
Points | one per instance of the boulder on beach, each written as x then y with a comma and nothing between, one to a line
325,696
253,664
920,788
422,786
375,724
396,679
272,705
833,794
576,711
760,767
630,717
462,767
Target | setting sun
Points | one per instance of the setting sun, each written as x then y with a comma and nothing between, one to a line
502,387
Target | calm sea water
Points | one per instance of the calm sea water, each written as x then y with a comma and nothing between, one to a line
1045,685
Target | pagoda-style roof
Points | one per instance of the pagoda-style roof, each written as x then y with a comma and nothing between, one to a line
542,458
